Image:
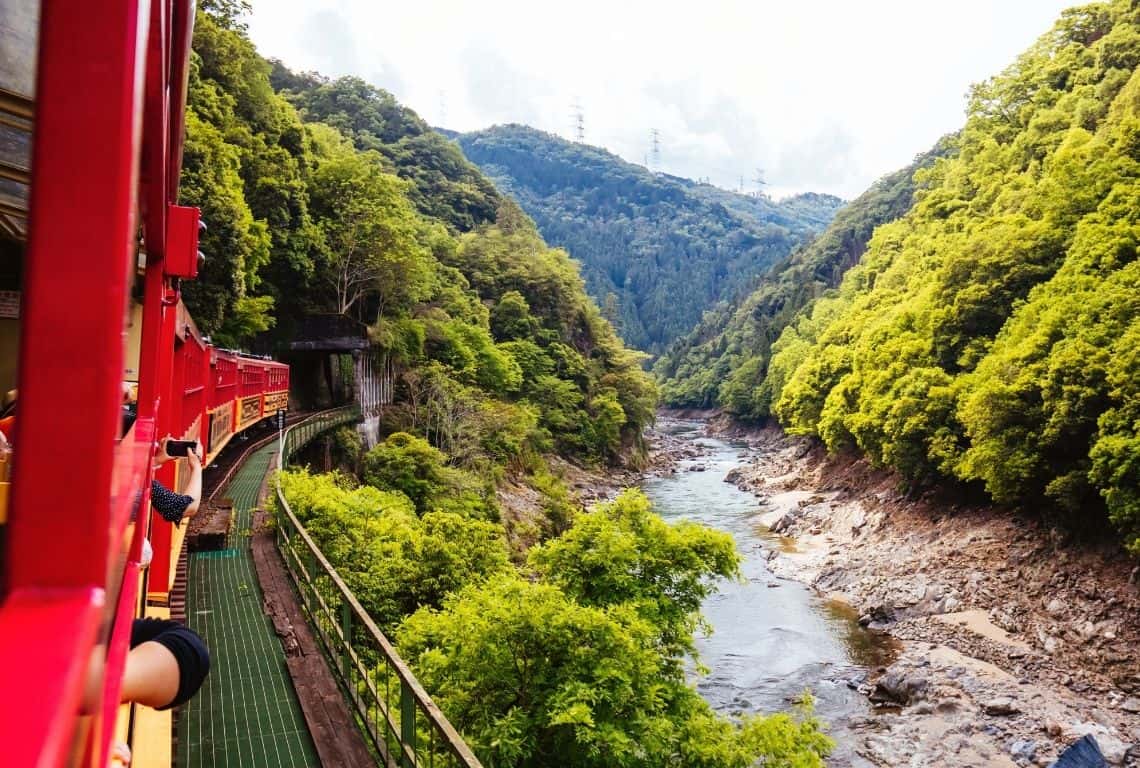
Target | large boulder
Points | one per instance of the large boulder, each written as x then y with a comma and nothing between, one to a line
899,686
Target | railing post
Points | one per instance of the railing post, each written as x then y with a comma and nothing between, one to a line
346,632
407,725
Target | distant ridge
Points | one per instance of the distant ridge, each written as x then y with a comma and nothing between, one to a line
656,250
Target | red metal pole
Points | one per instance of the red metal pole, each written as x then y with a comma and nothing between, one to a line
80,259
182,33
207,399
157,133
161,533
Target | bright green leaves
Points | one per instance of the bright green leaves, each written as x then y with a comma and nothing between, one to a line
244,165
576,661
982,337
443,184
582,668
370,229
533,678
725,360
407,464
413,467
236,245
622,553
511,319
393,560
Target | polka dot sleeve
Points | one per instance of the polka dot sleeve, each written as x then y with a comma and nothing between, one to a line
172,506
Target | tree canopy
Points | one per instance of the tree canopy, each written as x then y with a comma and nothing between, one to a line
575,658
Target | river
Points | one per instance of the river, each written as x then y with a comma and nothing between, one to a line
772,639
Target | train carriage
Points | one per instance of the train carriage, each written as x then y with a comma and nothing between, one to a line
92,102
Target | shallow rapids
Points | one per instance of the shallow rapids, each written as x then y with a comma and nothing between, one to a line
771,638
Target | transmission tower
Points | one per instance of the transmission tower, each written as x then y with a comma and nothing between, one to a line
760,182
655,149
442,109
578,121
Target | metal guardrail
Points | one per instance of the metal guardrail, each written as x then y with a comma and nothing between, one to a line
302,433
404,725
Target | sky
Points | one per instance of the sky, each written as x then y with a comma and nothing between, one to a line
822,95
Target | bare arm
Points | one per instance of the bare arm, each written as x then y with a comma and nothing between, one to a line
194,487
151,676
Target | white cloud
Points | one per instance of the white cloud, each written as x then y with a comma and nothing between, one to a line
825,95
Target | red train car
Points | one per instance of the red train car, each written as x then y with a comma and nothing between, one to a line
88,218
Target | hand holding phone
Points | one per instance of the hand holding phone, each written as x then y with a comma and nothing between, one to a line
178,448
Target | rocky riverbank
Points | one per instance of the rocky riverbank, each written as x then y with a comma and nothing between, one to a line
1014,641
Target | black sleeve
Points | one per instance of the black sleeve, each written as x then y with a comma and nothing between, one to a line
172,506
188,649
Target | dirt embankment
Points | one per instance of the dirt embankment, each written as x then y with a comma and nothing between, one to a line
1014,640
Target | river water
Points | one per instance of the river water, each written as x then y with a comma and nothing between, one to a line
772,639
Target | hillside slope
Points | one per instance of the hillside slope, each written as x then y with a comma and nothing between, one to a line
723,362
656,250
499,355
992,335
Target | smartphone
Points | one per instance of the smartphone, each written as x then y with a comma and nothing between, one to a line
177,448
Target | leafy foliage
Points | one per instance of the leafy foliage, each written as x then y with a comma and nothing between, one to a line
656,249
535,678
444,185
579,665
393,560
372,235
622,553
989,335
499,356
583,668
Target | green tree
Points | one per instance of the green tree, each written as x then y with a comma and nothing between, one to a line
981,337
370,229
392,560
407,464
724,360
533,678
622,553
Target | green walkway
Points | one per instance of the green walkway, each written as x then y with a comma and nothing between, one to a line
246,715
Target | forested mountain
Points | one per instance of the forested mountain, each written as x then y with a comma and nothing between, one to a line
445,185
723,362
992,334
656,250
501,354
